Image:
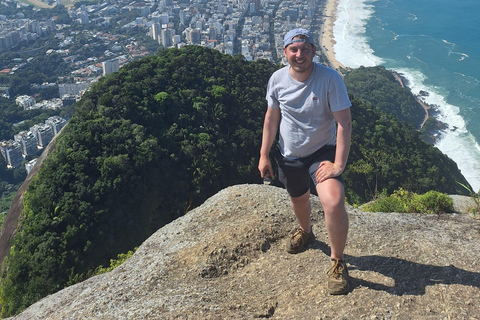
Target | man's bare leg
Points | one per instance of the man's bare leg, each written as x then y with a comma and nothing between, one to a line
302,210
332,197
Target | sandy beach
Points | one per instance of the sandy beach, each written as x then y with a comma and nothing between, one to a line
327,40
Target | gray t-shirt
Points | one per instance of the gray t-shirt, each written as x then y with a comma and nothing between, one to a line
307,122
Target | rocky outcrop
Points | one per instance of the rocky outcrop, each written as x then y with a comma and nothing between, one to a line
226,260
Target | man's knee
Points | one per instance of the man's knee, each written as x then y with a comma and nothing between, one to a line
332,196
333,204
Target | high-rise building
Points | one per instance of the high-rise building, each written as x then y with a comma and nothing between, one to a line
50,25
164,18
43,133
155,31
167,38
110,66
83,17
56,123
28,142
212,34
12,152
182,16
177,39
192,35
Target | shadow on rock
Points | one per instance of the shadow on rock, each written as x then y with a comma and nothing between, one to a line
409,277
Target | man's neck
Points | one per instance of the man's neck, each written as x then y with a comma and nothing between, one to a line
300,76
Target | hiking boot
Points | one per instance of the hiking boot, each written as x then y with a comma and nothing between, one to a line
338,278
299,240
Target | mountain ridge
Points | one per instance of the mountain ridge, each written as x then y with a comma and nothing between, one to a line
226,259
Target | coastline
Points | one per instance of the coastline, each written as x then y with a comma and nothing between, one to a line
425,107
439,122
327,42
326,38
435,130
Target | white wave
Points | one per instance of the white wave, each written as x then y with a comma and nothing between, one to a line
468,79
450,43
462,55
456,142
351,47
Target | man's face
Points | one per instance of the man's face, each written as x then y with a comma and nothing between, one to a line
300,56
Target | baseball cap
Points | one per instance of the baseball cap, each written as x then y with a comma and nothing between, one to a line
288,39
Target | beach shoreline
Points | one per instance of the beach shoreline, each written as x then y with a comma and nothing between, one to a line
327,40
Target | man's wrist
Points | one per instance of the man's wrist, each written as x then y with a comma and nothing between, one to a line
264,155
342,167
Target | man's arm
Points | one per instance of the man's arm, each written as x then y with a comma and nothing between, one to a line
270,128
344,133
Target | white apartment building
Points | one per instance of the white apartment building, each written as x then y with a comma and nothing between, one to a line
25,101
28,142
110,66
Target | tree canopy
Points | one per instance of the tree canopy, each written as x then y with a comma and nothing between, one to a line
378,86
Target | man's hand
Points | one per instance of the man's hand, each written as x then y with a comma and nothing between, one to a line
327,170
265,167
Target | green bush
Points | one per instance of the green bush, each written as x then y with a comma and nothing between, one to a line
409,202
384,203
121,258
432,202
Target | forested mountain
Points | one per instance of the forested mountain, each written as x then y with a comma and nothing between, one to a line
388,154
378,86
157,138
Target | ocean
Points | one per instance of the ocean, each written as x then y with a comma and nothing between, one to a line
435,45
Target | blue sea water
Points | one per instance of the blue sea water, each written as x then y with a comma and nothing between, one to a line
435,44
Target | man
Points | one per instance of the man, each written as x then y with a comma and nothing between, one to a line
305,102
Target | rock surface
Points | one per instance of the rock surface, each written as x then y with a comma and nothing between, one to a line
226,260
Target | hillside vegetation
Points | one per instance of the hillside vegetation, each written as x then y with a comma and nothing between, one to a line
378,86
156,139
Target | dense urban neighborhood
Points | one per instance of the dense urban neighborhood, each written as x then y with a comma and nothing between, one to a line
81,42
51,52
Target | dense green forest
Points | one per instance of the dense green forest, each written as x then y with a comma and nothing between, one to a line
388,154
159,137
378,86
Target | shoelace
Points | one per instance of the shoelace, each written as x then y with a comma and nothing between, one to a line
298,235
336,269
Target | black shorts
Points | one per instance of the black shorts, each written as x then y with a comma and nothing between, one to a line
298,176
